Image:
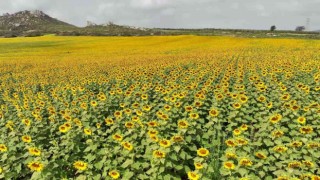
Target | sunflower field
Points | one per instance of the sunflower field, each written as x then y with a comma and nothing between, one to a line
179,107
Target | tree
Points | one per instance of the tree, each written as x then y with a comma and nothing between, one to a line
300,28
273,28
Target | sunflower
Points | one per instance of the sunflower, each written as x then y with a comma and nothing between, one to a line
241,141
129,125
152,124
280,149
167,107
275,118
87,131
313,145
67,125
177,104
164,117
10,125
243,98
77,122
183,124
229,165
152,132
93,103
315,177
231,142
277,133
236,105
165,143
308,164
244,127
193,175
260,155
109,121
67,117
262,98
301,120
98,125
80,165
285,97
245,162
269,105
1,170
26,139
127,146
26,122
146,108
35,166
63,129
294,164
139,113
296,144
135,118
117,137
114,174
198,104
177,138
194,115
144,96
294,107
34,151
236,132
230,155
159,154
84,105
102,97
306,130
219,97
127,111
203,152
117,114
3,148
213,112
198,165
154,138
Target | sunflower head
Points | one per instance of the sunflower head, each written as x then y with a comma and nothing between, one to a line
3,148
203,152
193,175
229,165
159,154
114,174
165,143
80,165
26,139
198,165
35,166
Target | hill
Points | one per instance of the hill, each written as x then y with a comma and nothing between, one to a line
35,23
31,22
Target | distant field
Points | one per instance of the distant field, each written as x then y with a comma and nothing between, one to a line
161,107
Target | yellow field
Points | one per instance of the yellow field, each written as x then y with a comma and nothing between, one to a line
179,107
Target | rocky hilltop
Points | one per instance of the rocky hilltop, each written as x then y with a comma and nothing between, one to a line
36,23
31,20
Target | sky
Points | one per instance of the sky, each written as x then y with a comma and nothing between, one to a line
233,14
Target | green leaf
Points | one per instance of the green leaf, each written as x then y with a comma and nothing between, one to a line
128,175
127,163
177,148
242,171
99,164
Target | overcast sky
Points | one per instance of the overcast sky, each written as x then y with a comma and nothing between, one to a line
244,14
